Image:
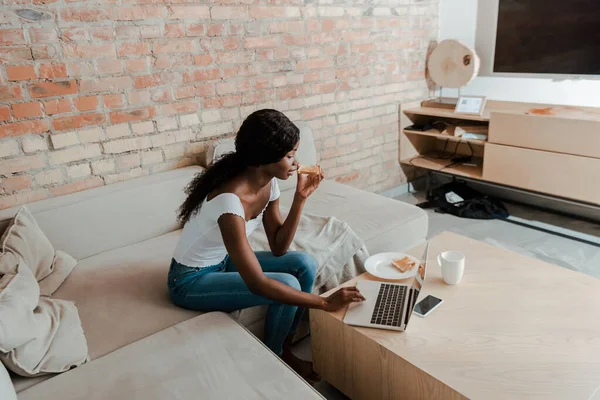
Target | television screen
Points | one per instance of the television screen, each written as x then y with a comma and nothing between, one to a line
548,37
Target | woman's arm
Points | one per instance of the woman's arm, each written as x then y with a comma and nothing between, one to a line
280,235
233,230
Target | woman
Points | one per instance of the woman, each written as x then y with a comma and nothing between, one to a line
215,269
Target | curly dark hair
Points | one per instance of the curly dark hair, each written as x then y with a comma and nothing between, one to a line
265,137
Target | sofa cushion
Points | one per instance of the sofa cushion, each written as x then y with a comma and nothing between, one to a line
122,295
108,217
383,224
208,357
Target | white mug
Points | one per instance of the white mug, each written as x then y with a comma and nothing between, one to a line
453,266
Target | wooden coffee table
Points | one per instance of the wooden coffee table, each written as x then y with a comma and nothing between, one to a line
515,327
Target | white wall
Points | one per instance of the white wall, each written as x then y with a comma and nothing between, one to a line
458,20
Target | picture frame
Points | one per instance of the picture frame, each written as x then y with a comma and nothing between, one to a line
473,105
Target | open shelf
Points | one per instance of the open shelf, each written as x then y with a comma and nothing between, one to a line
445,113
435,163
434,133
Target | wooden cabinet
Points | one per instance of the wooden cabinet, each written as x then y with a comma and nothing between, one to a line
561,175
556,154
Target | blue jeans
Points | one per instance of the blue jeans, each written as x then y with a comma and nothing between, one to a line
221,288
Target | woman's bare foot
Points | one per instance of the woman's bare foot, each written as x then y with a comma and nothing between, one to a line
302,368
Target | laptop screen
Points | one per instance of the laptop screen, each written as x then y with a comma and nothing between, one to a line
418,283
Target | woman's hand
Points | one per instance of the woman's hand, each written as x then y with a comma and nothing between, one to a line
307,184
343,297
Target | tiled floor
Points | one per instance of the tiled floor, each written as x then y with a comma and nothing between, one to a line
545,246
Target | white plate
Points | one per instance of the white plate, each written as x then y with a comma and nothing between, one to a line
380,265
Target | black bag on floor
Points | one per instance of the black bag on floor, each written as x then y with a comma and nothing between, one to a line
456,198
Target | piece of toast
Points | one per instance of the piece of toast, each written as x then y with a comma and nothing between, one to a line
310,169
404,264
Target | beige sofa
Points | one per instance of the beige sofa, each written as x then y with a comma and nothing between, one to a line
143,346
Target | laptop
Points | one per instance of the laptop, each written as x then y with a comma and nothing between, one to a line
387,305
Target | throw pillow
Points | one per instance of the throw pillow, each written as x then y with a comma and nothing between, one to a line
24,239
7,390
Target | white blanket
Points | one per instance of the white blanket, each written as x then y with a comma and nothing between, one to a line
339,252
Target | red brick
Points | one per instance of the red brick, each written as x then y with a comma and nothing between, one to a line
206,90
82,50
87,103
196,30
73,14
11,36
160,95
228,13
24,198
174,46
141,12
43,35
133,48
10,92
178,108
78,121
324,87
318,63
297,40
109,67
5,113
261,42
69,188
267,12
315,113
20,73
292,91
60,106
113,100
136,65
15,54
157,79
127,32
16,183
183,92
328,25
174,30
73,34
287,26
195,12
216,30
102,33
203,60
139,97
24,128
223,101
132,115
50,89
44,52
202,75
161,62
113,84
237,29
27,110
51,71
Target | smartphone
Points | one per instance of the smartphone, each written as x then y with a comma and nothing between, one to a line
427,305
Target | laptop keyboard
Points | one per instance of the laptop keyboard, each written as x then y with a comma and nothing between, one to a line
389,305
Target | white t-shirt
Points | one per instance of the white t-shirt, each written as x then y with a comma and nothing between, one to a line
201,244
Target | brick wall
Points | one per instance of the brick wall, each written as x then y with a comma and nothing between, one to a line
98,91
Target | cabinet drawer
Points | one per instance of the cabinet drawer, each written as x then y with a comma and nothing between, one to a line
562,175
561,135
